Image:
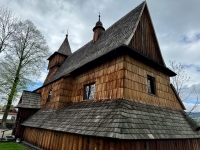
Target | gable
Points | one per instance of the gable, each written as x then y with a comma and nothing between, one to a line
144,39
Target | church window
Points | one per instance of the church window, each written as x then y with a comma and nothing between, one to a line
89,91
49,96
151,85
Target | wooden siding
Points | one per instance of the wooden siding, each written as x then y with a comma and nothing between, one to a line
108,78
54,64
52,71
61,93
57,59
22,115
53,140
135,85
122,77
144,39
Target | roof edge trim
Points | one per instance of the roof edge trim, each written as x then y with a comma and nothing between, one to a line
174,90
136,25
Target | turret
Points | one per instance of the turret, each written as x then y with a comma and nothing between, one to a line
98,30
57,58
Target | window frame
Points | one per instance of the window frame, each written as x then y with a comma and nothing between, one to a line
49,96
87,97
151,85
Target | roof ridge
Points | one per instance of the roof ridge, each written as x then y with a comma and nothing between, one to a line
127,14
112,25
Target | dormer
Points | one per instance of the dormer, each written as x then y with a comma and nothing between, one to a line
98,30
58,57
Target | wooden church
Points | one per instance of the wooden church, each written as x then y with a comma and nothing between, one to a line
114,93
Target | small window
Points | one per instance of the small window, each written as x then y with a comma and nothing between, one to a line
151,84
89,91
49,96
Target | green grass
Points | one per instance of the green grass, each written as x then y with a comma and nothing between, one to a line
11,146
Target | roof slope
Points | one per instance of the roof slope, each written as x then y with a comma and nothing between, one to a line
118,34
29,100
120,118
65,48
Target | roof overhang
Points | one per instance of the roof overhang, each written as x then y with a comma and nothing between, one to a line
55,54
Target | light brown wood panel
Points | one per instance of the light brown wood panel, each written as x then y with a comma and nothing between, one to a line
57,59
135,85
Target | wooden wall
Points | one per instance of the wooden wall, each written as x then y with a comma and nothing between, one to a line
61,93
53,140
144,39
52,71
135,85
57,59
108,78
122,77
22,115
54,64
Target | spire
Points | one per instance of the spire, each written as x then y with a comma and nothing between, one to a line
65,47
67,33
98,29
99,24
99,16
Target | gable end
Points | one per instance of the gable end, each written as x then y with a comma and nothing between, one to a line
144,39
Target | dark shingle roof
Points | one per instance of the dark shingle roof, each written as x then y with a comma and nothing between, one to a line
29,100
120,118
118,34
65,48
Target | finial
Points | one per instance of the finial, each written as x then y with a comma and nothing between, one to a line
67,33
99,16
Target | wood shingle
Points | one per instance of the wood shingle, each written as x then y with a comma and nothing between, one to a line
30,100
119,118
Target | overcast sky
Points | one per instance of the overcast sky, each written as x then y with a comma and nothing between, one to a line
176,22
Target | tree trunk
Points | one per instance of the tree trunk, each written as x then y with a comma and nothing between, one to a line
10,97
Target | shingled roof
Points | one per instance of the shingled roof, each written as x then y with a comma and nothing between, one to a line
120,118
29,100
65,47
119,34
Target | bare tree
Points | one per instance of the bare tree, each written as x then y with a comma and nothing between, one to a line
7,27
180,81
23,61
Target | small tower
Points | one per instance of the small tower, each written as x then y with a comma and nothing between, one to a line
57,58
98,30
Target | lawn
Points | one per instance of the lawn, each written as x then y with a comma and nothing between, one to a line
11,146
